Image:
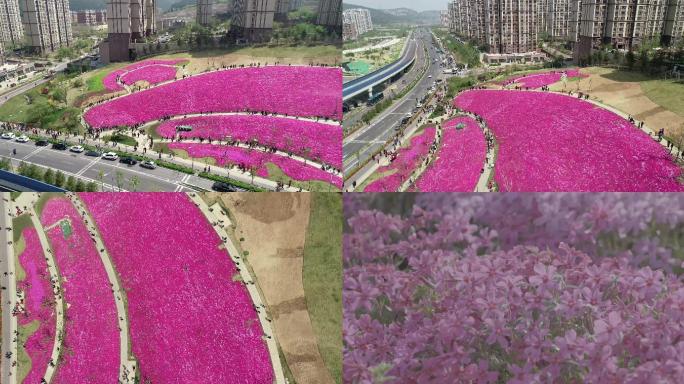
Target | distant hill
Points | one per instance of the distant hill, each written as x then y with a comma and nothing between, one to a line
399,15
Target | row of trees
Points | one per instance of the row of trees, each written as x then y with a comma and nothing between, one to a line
56,178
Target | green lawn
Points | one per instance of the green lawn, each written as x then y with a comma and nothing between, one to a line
18,225
665,93
23,360
323,277
276,174
19,110
121,138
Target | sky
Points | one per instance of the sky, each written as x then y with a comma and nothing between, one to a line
418,5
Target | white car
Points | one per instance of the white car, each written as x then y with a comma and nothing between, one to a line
7,136
430,77
110,156
22,139
77,149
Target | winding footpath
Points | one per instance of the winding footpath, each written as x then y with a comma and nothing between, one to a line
219,224
127,366
57,292
9,295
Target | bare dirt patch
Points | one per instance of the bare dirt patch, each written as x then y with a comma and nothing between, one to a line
272,228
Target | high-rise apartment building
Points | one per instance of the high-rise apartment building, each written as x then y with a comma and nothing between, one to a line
127,22
502,26
89,17
282,9
360,21
205,11
621,24
330,15
673,28
253,19
47,24
295,5
11,28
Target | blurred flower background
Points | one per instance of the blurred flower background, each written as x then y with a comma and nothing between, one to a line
514,288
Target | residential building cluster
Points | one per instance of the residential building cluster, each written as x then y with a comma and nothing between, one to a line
356,22
42,26
510,29
89,17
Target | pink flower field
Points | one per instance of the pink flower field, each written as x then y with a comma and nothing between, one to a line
322,142
189,321
152,71
294,91
406,162
554,142
90,349
226,155
459,159
39,304
538,80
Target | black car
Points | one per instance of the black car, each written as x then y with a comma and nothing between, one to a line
42,143
60,146
128,160
223,187
92,153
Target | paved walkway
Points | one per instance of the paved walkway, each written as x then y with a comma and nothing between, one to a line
57,292
127,366
9,295
219,223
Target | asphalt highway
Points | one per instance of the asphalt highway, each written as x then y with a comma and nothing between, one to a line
88,168
360,145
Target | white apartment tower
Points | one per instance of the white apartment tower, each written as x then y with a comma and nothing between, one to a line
47,24
359,19
253,19
11,28
205,11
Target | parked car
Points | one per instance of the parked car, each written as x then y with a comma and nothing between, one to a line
42,143
128,160
110,156
149,164
223,187
77,148
60,146
7,136
93,153
22,139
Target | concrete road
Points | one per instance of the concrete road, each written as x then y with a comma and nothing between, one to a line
9,293
360,145
88,168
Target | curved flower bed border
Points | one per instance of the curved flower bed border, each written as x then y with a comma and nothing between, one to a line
91,336
459,161
189,320
285,90
538,80
143,70
253,159
39,304
407,160
312,140
554,142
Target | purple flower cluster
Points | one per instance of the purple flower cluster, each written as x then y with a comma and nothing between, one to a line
39,306
538,80
294,91
318,141
190,322
405,163
554,142
460,158
91,342
252,159
445,294
152,71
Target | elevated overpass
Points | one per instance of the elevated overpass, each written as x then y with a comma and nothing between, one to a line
367,82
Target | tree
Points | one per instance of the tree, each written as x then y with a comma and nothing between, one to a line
630,60
80,186
59,95
92,187
49,176
119,180
134,182
59,179
644,60
71,184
